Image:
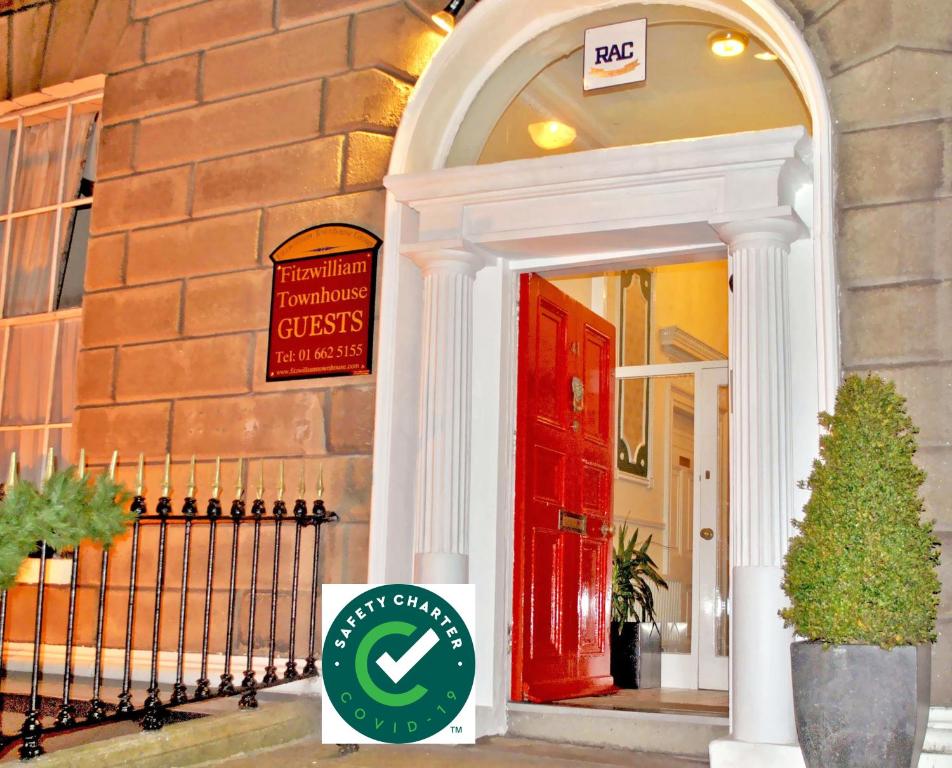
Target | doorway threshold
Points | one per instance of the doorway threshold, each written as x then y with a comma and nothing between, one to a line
673,733
669,701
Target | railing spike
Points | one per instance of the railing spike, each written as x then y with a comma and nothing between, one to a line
191,479
50,461
12,474
216,486
166,478
140,470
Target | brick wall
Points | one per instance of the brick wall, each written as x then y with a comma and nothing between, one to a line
229,125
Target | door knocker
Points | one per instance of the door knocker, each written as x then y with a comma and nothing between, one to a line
578,394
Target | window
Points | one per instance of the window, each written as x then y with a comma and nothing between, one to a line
47,176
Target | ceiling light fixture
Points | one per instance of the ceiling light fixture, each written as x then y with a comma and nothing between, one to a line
446,19
727,42
766,56
551,134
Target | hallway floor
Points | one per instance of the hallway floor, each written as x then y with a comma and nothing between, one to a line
663,700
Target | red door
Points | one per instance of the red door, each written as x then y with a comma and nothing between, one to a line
564,459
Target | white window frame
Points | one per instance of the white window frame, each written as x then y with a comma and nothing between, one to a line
16,121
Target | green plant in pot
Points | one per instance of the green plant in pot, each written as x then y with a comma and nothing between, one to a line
69,507
635,637
862,579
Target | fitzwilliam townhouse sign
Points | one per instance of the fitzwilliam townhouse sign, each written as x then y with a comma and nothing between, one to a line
322,303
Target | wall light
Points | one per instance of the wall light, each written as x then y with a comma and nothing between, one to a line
766,56
551,134
727,42
446,19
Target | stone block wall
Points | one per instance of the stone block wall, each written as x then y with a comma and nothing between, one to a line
888,68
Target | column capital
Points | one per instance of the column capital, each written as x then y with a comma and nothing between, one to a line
774,226
456,258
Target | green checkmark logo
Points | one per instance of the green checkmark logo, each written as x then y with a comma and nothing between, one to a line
398,663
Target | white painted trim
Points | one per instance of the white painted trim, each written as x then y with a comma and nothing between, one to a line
667,369
495,29
713,187
548,229
681,346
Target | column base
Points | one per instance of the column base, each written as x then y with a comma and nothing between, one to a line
440,568
730,753
761,683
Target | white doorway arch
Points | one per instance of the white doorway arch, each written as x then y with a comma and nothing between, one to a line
441,485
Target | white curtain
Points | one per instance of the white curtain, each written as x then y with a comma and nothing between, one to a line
39,381
28,400
30,261
29,264
26,388
28,444
64,381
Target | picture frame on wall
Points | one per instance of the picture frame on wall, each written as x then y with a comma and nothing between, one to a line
634,341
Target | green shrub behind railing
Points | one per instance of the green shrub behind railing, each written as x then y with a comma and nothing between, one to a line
70,507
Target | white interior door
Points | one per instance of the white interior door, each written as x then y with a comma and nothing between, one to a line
712,527
687,494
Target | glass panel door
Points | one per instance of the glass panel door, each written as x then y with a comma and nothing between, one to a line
713,533
683,504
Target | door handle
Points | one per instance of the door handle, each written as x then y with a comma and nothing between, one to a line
707,534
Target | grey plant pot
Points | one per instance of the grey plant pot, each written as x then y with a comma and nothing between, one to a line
859,706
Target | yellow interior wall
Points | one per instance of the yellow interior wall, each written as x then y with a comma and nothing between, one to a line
694,298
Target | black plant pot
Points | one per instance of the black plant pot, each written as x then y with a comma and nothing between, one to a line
636,655
859,706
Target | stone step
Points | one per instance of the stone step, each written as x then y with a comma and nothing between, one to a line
501,752
672,734
218,736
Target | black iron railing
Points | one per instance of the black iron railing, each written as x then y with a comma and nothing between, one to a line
117,588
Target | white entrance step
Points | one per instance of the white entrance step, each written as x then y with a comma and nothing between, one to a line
938,746
673,734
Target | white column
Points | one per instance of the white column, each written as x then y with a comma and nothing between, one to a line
761,483
441,520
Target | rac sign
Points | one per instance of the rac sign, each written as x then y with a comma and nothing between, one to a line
606,54
615,54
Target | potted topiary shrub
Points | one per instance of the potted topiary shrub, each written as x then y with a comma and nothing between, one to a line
635,637
861,576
